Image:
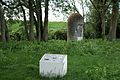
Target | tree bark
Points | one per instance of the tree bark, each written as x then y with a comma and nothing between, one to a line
46,21
40,19
102,14
2,24
31,13
36,19
103,24
37,28
7,36
25,23
114,18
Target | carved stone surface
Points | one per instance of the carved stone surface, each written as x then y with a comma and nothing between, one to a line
75,27
53,65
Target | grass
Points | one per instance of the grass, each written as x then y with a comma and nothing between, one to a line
57,25
87,59
16,27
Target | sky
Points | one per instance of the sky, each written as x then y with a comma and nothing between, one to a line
59,16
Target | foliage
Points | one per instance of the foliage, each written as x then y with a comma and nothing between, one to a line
87,60
16,28
89,32
57,30
64,6
14,25
17,32
58,34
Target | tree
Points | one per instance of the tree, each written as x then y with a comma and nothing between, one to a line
41,26
31,13
8,7
15,7
101,7
46,21
3,26
25,21
114,18
40,19
65,7
39,23
7,36
36,7
2,23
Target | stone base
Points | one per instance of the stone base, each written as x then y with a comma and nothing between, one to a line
53,65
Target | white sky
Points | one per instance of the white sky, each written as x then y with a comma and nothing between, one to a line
59,16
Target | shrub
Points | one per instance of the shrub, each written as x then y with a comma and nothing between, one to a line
58,35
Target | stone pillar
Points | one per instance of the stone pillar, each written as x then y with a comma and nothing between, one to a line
75,27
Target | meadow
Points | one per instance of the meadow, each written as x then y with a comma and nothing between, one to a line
87,59
57,25
15,26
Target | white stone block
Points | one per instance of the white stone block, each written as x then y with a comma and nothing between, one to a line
53,65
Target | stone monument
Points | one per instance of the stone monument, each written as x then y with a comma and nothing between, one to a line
75,27
53,65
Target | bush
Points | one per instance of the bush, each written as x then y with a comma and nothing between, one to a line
89,32
58,35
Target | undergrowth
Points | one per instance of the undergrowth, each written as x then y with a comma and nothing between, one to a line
87,59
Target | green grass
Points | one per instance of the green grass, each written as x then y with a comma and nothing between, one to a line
87,60
57,25
16,26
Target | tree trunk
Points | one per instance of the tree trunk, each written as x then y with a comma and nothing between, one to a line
7,32
102,14
37,20
25,23
46,21
2,24
37,28
114,18
103,25
40,19
31,13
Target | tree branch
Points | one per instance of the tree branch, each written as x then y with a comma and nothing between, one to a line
94,6
107,6
75,6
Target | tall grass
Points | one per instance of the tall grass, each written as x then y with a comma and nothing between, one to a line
87,59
